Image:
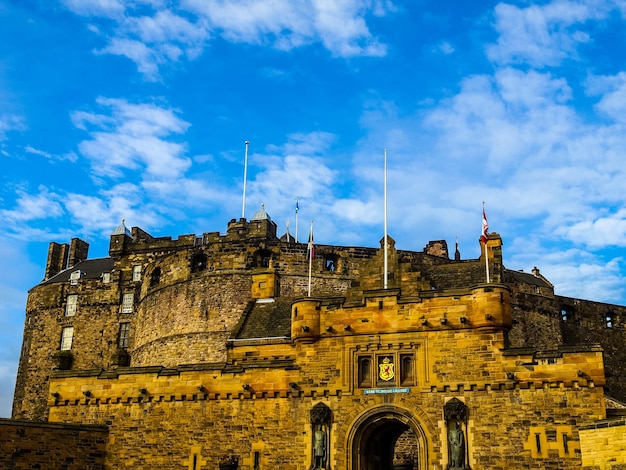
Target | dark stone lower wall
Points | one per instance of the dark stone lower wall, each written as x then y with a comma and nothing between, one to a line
47,446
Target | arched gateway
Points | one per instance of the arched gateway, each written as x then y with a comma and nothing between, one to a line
387,438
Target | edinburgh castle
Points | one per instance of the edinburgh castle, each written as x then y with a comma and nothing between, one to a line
250,351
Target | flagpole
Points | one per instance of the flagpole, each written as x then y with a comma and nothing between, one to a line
245,175
385,217
297,208
310,251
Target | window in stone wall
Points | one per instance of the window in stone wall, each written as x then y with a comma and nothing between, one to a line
106,278
199,262
70,305
155,277
564,315
365,371
407,369
123,335
127,303
137,273
330,263
262,258
609,320
67,335
75,276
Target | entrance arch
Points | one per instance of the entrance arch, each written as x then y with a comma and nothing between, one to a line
374,440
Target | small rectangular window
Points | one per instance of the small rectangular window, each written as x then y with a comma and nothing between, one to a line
407,369
70,306
123,336
74,277
106,278
127,303
365,371
67,335
137,273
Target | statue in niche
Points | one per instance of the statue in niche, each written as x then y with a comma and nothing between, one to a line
319,448
320,426
456,440
456,414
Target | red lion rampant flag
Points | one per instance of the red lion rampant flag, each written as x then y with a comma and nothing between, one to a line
485,234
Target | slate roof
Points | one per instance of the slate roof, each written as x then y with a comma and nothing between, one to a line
91,269
526,278
266,319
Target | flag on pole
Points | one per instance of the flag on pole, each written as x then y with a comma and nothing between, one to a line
310,251
485,233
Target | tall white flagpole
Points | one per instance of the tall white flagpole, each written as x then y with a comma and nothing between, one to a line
297,209
245,175
310,251
385,217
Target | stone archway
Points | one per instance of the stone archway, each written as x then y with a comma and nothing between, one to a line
377,436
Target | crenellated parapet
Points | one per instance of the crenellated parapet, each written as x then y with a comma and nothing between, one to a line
484,307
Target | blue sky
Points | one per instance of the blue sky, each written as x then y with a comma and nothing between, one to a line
139,109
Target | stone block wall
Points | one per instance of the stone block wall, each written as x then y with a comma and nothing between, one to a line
27,445
603,445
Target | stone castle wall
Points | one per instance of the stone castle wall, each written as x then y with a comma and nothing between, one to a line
25,445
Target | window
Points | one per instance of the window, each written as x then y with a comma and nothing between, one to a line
74,277
365,371
137,273
330,263
564,315
609,320
106,278
66,338
127,303
70,306
407,374
155,277
123,336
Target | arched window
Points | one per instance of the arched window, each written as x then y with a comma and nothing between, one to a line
155,277
365,371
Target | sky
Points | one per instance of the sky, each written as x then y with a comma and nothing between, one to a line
140,110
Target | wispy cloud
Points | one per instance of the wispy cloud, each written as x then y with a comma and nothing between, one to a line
152,35
543,35
133,137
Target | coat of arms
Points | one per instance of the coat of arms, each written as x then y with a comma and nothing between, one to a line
386,371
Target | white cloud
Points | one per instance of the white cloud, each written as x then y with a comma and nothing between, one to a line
132,137
33,207
10,122
543,35
152,34
601,232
